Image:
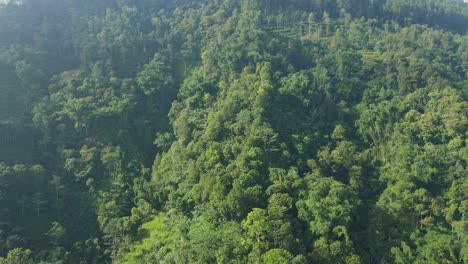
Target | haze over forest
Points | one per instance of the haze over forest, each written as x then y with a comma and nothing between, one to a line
234,131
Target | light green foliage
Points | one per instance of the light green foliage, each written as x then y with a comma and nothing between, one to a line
328,207
250,131
18,256
279,256
144,242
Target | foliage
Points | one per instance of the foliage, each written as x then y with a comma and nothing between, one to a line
233,131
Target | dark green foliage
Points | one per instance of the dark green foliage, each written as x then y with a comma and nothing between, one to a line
233,131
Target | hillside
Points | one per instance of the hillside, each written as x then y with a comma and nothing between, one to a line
234,131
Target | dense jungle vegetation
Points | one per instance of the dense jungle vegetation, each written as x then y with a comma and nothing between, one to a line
234,131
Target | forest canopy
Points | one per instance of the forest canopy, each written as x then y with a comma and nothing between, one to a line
233,131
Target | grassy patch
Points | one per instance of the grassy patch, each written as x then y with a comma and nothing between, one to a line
149,234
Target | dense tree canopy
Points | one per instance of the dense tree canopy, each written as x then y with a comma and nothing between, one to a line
156,131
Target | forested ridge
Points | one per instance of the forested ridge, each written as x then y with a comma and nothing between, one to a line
234,131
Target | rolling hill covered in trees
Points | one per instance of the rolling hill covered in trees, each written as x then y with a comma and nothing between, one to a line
234,131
